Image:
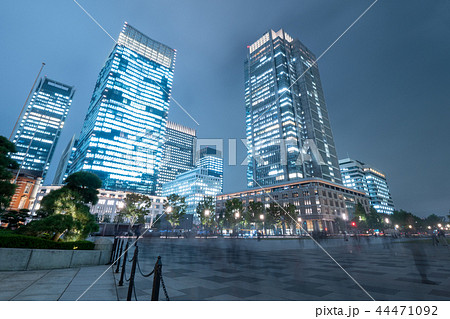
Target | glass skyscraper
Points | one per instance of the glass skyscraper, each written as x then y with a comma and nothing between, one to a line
65,161
194,185
288,130
123,133
373,182
178,152
40,127
212,160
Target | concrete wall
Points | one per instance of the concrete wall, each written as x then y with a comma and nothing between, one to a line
33,259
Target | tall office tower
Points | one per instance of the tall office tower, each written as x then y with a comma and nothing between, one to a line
211,159
373,182
40,127
123,133
65,161
178,153
288,131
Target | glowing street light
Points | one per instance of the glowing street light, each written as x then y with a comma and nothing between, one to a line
169,209
344,217
410,226
236,215
386,220
207,212
396,226
261,217
439,225
299,219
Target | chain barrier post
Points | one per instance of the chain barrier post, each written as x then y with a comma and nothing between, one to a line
113,251
133,271
124,263
156,279
119,256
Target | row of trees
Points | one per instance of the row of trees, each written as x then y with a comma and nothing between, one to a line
400,219
235,216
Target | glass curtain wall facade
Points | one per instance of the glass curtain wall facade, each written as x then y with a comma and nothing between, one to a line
123,133
287,126
65,162
373,182
194,185
212,160
178,153
40,127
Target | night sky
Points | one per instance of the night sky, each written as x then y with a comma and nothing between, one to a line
386,82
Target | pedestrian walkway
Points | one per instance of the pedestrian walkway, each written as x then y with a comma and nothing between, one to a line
58,284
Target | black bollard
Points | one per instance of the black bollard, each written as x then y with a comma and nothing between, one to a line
113,252
133,271
156,279
119,256
124,263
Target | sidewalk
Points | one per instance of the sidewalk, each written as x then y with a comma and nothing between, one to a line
58,284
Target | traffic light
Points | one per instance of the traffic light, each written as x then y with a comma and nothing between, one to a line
353,224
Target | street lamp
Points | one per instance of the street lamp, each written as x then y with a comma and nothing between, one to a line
261,217
206,212
439,225
410,226
386,220
236,215
396,226
168,211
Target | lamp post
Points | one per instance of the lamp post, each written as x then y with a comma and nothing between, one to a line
236,216
168,211
299,221
261,217
206,213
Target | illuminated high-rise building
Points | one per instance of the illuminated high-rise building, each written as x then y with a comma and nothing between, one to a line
123,133
65,161
372,181
178,153
211,159
41,124
288,130
195,185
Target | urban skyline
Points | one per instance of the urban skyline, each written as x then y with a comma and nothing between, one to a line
326,84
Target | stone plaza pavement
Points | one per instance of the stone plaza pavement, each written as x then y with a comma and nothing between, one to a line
58,284
229,269
247,269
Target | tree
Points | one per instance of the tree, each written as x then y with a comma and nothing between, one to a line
290,216
233,213
52,226
373,219
252,213
6,165
273,216
433,220
86,185
206,212
175,208
360,212
14,218
136,207
72,199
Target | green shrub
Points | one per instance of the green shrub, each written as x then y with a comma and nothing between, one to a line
9,240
